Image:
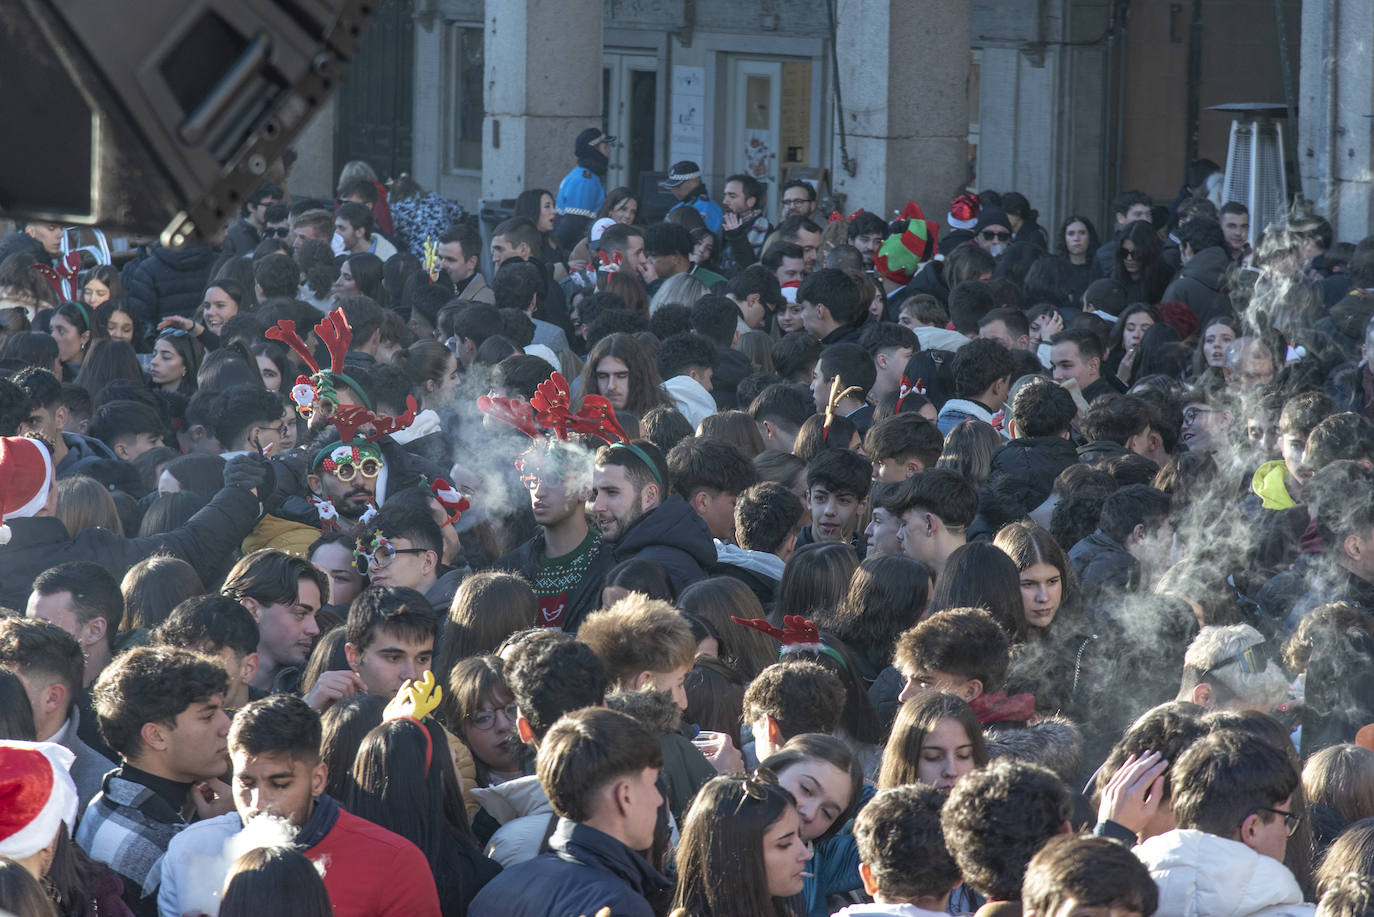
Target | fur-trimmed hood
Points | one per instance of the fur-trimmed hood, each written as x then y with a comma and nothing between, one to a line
655,710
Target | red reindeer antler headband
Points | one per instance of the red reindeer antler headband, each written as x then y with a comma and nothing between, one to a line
798,634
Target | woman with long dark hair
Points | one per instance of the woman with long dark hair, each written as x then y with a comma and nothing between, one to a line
979,575
741,853
887,595
481,710
1123,344
361,274
827,781
936,739
815,579
74,328
107,361
1139,266
281,876
537,205
404,780
177,356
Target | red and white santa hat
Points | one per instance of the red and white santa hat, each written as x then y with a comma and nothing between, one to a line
26,475
37,796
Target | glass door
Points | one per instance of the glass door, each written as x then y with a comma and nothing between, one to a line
755,121
631,110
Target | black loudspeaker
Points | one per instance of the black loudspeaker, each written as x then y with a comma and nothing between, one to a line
159,116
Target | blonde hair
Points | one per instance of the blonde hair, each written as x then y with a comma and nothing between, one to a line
1341,777
638,634
84,503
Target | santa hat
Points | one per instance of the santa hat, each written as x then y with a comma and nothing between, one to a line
963,212
37,796
26,475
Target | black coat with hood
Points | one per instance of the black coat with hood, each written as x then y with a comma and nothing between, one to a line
584,871
1037,460
205,541
1201,285
169,281
674,535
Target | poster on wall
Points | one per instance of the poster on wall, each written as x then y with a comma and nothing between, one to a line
688,108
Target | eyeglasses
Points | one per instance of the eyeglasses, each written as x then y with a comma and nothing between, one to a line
369,467
990,234
282,429
1190,415
1290,820
793,203
486,718
383,553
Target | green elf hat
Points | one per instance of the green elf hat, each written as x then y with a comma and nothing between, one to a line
900,256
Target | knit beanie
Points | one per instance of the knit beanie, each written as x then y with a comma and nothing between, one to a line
37,796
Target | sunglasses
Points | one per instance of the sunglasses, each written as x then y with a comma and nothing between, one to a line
173,333
281,232
1129,253
990,234
1251,660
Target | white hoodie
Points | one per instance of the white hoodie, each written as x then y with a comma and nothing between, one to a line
690,398
1206,875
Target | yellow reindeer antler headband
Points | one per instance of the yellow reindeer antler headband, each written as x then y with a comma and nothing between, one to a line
836,396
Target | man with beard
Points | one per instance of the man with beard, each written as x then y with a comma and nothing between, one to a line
346,480
640,517
565,562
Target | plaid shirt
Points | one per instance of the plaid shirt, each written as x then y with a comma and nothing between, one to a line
128,827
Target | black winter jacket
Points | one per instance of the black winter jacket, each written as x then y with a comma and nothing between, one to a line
584,871
673,535
1036,460
1200,285
169,281
1103,566
17,241
207,541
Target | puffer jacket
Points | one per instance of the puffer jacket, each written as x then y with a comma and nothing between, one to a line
584,871
672,534
169,281
1205,875
1103,566
1037,460
526,817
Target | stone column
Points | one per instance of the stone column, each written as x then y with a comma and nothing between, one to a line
904,68
1335,90
543,63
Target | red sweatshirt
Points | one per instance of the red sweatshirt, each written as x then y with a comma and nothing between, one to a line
372,872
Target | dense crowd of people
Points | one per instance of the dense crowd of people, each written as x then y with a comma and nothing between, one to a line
705,566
